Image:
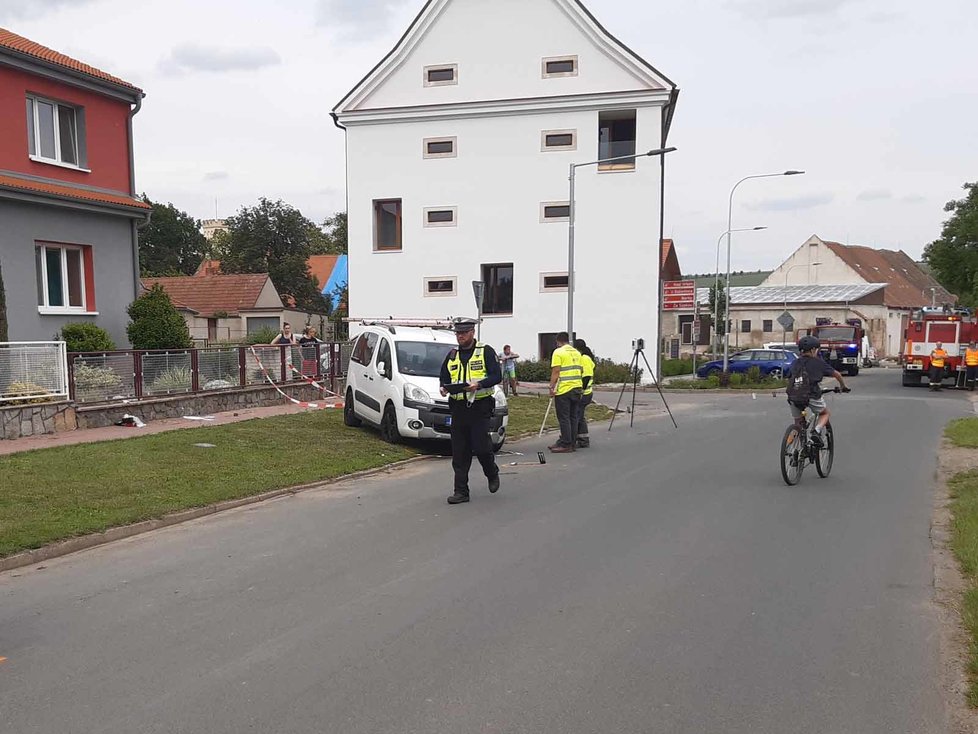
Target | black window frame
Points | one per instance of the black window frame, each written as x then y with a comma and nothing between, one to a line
498,295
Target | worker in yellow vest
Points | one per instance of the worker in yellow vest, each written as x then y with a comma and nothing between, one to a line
971,365
468,377
587,395
938,359
566,388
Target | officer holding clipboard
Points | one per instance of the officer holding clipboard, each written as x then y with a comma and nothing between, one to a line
469,375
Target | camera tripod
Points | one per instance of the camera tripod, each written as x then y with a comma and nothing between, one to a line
633,369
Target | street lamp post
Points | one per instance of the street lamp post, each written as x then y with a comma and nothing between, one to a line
572,218
784,329
726,332
716,285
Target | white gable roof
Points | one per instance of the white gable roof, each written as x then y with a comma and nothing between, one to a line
499,46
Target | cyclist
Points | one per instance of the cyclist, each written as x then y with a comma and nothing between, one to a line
804,389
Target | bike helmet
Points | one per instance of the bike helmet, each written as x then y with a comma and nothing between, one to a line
807,343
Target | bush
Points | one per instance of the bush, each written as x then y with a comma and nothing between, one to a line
156,323
264,335
673,367
753,374
16,389
527,371
95,382
86,337
606,371
174,379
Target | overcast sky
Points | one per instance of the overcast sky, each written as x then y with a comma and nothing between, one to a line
876,99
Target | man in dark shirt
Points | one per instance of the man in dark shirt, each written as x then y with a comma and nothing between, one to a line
468,377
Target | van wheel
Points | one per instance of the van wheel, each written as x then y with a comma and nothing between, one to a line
349,414
853,371
388,425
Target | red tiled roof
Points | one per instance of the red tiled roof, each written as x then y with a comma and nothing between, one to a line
71,192
321,267
27,47
907,285
210,294
670,261
208,267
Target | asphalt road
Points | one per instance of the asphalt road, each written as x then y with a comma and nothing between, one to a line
664,581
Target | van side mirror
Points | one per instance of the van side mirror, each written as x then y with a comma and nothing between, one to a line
382,368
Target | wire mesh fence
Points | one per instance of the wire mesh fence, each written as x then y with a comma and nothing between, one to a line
33,371
98,378
218,369
168,373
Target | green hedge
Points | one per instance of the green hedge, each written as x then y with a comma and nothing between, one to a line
605,371
86,337
673,367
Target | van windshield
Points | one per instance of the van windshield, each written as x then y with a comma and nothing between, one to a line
836,333
422,359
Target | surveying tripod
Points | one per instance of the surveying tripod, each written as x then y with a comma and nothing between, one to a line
639,346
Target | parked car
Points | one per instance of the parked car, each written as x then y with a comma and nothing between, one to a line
788,347
392,384
771,362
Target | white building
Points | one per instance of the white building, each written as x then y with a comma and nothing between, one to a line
458,147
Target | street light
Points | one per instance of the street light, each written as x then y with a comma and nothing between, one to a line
716,279
784,329
570,235
726,332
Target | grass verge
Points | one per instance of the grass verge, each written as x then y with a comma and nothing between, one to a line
711,384
526,414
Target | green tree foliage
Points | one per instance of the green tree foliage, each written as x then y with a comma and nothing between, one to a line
954,257
171,244
86,337
718,300
275,238
334,233
155,322
3,309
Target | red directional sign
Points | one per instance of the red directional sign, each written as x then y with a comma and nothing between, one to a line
679,295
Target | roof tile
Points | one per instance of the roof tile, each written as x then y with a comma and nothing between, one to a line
907,285
71,192
210,294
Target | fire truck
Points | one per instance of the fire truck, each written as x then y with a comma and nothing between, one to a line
842,344
954,328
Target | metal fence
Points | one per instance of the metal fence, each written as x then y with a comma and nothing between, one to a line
33,370
97,377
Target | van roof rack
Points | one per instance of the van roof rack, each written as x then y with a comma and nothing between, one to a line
391,322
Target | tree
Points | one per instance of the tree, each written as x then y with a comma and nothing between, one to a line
335,234
275,238
3,309
954,257
171,244
718,293
156,323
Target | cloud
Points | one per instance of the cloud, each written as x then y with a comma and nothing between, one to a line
913,198
193,57
786,205
216,175
23,9
875,195
360,18
787,9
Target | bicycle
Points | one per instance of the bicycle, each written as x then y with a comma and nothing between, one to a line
798,450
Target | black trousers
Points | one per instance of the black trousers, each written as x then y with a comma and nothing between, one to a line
470,437
586,400
936,377
567,407
970,374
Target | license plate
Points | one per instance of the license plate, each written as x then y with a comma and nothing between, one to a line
849,360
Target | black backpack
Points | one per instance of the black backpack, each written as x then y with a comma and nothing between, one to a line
801,388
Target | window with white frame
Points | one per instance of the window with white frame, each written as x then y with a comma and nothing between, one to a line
555,211
445,216
61,274
440,147
559,66
442,75
554,282
551,140
440,287
53,132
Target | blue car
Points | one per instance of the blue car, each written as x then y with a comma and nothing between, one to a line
771,362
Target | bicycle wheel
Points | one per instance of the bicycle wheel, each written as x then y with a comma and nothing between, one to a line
824,457
792,455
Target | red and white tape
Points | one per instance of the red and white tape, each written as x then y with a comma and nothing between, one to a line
300,403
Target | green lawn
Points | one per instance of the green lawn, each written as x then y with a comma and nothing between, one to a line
963,432
526,414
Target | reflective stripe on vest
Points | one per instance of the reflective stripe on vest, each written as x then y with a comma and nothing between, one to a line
971,357
588,365
571,370
473,370
937,358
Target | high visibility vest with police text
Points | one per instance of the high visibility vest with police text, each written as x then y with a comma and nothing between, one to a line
474,369
568,360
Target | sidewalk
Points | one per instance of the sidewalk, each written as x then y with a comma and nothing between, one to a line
114,433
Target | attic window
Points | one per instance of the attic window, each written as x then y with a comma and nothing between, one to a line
559,140
440,148
441,76
440,217
559,66
555,211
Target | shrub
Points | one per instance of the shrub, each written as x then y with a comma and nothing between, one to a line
174,379
16,389
156,323
736,379
528,371
753,374
95,382
673,367
264,335
606,371
86,337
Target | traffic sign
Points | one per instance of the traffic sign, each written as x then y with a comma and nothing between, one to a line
787,321
678,295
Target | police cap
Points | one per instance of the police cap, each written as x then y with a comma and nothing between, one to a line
461,326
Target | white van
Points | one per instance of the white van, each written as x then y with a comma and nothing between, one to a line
392,384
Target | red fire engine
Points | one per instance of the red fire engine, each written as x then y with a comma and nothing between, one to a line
953,328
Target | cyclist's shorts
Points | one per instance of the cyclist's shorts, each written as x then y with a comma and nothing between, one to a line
816,405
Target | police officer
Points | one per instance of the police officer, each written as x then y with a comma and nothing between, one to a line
475,366
566,388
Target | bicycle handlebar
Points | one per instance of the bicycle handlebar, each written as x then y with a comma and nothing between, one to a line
839,390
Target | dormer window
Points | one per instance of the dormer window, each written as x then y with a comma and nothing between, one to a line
53,132
559,66
441,76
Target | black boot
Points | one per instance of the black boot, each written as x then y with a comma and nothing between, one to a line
458,498
494,485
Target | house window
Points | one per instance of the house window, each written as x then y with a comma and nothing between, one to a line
440,147
64,281
745,327
559,66
553,282
387,225
768,326
257,323
52,132
437,287
616,138
558,140
555,211
441,217
498,297
441,76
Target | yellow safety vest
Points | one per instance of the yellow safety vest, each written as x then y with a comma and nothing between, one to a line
588,364
571,369
937,358
971,357
474,369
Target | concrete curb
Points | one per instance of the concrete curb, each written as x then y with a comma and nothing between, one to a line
85,542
